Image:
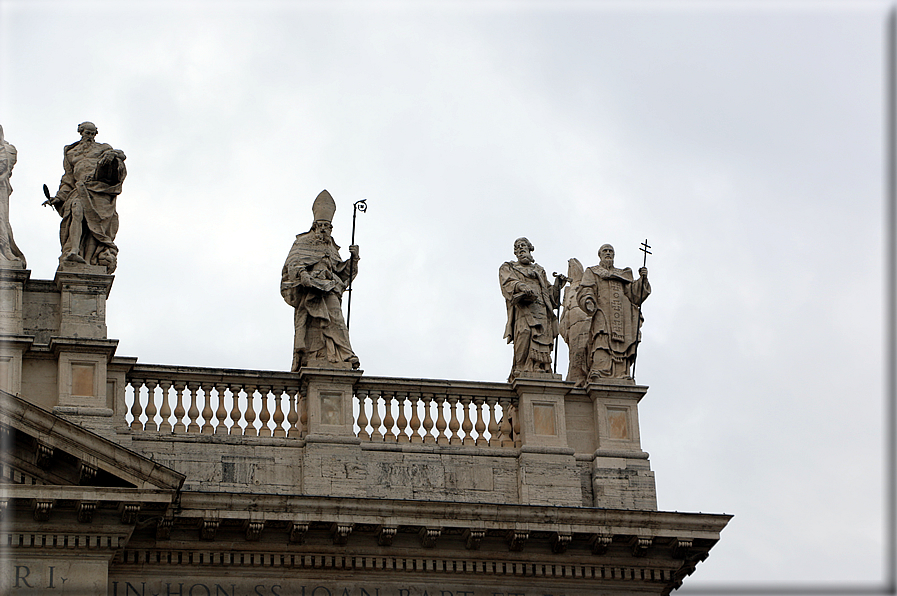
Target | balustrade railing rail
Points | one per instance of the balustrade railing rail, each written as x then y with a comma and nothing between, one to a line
187,400
395,410
250,403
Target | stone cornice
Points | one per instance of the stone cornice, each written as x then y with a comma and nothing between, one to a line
487,515
83,344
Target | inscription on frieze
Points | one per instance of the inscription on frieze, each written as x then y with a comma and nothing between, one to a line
239,587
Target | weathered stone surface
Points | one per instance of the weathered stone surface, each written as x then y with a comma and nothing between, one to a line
10,255
530,300
536,487
86,198
611,298
313,280
574,327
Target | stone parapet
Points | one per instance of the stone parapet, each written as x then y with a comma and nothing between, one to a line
339,433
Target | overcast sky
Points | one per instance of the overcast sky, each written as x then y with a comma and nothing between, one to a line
745,140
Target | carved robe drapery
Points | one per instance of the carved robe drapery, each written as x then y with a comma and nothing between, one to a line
313,280
95,188
532,325
613,331
9,252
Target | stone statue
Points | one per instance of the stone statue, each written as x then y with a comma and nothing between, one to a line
574,327
92,181
611,298
10,255
313,280
532,325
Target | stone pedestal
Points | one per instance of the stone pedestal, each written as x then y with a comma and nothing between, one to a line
82,309
621,473
547,472
332,450
543,421
328,397
12,290
81,349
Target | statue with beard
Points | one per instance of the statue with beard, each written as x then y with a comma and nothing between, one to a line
530,300
86,198
611,298
313,280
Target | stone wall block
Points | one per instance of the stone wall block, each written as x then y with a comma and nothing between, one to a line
549,478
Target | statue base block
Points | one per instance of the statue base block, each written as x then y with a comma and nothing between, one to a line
535,375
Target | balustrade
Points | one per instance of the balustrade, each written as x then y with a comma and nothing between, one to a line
390,410
201,401
212,402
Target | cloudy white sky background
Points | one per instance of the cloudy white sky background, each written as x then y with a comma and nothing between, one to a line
746,141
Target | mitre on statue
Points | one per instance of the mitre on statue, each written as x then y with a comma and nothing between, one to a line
324,207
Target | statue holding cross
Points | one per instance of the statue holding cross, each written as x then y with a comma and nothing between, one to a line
612,299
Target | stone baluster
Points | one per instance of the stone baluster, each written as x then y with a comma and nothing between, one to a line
362,415
376,435
279,398
235,413
179,412
165,409
505,427
250,430
151,406
389,421
415,419
264,415
441,423
193,412
467,424
221,411
518,442
208,427
453,424
402,422
491,409
136,409
481,424
428,419
293,416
